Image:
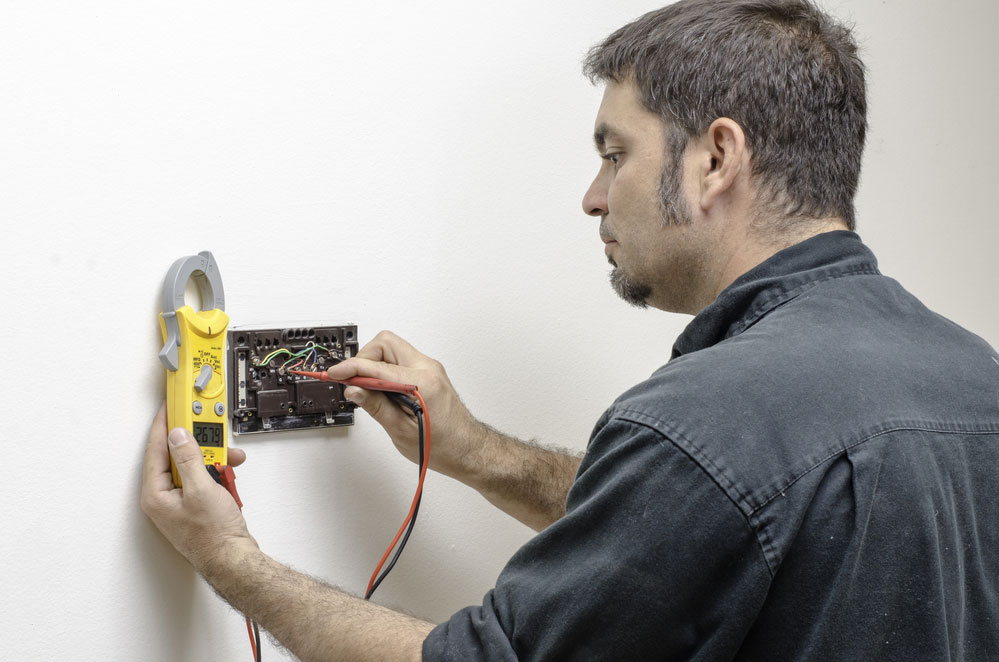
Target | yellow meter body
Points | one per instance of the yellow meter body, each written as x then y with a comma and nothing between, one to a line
193,354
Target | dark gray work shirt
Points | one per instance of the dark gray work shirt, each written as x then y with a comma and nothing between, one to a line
814,475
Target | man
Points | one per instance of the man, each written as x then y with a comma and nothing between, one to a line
810,477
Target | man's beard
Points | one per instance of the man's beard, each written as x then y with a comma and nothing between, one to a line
632,291
674,211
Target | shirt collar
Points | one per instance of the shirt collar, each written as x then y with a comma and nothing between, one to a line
777,280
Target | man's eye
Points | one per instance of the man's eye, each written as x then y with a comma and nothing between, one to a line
613,157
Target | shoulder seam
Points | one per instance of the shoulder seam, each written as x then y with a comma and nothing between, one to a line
676,438
847,447
703,463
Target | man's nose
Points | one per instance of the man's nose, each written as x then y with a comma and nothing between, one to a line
595,198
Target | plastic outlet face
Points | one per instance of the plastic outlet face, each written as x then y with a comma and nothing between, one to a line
265,397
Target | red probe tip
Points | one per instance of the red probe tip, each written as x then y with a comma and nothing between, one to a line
315,375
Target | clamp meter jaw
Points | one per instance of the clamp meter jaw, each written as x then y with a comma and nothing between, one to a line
193,351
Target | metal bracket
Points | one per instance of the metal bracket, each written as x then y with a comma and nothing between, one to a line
205,272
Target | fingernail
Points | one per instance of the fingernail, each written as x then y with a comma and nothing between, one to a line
179,437
354,394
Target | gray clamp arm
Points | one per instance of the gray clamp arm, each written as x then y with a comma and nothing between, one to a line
205,272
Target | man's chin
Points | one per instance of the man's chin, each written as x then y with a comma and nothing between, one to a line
633,292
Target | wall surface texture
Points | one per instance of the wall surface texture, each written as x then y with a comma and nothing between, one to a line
411,166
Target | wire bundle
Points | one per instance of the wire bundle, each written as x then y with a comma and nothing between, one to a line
419,410
308,355
254,632
226,477
398,393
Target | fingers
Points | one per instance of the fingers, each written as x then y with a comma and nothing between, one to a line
400,425
237,456
156,463
387,357
378,405
358,367
370,401
391,358
190,460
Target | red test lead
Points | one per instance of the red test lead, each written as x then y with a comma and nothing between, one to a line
227,478
370,383
423,423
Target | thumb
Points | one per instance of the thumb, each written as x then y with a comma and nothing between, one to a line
188,457
372,402
379,407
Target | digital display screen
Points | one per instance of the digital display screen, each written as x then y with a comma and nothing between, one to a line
208,434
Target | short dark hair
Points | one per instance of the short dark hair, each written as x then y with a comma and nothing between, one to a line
788,73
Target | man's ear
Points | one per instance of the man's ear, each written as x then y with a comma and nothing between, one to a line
724,158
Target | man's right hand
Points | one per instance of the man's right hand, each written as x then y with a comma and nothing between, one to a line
525,480
453,427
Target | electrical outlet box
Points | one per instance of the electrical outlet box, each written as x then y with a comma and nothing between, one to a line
265,397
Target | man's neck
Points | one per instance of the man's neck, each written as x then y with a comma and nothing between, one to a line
757,246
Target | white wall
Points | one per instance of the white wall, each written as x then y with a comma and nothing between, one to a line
404,167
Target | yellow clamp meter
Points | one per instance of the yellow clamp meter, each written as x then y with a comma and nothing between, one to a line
193,351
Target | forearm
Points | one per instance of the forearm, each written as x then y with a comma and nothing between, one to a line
527,481
313,620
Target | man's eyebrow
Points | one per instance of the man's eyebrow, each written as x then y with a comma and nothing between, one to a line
602,133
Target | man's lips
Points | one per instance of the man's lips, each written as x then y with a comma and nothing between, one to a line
608,242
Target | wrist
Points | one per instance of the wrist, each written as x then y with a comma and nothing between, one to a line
224,557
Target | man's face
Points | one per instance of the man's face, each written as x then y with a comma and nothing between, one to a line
657,250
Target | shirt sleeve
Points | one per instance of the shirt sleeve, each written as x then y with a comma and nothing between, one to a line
652,561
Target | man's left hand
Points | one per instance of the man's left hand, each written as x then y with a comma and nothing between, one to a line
200,518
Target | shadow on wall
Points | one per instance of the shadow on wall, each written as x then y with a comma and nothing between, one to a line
166,585
163,582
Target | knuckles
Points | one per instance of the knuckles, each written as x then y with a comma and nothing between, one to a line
435,381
